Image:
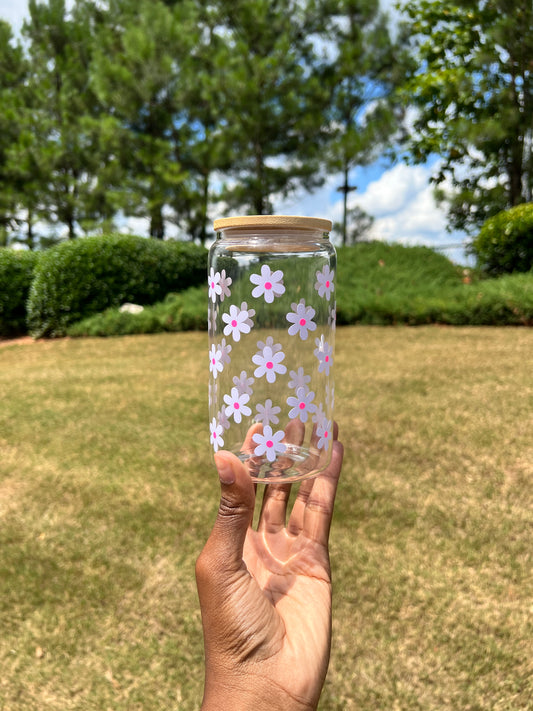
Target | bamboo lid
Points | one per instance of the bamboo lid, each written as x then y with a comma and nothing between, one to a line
276,221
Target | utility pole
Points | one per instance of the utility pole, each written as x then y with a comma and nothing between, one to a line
345,189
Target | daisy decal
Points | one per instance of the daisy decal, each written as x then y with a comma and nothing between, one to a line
225,350
270,343
236,405
269,363
211,321
319,418
267,413
302,404
299,379
324,353
269,284
225,283
243,383
237,321
215,361
332,316
216,434
301,318
324,435
214,285
269,443
324,282
222,418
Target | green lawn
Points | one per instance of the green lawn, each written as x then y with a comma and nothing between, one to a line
107,493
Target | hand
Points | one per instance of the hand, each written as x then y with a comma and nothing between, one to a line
265,595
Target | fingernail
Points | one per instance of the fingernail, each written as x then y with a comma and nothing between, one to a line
225,472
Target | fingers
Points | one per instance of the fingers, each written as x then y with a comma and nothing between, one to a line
313,507
222,553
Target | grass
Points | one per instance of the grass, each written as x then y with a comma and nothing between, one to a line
107,492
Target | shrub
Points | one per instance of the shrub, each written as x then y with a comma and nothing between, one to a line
16,273
186,311
505,242
80,278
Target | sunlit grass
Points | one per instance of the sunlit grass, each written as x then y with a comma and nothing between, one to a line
107,492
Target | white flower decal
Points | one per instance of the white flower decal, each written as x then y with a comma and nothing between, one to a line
269,443
324,434
319,418
324,282
324,353
215,361
211,321
222,418
243,383
301,318
216,434
269,284
270,343
214,285
332,316
302,404
225,350
299,379
267,413
238,321
236,405
269,363
225,283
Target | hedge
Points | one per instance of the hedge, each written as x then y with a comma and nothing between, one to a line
16,274
505,242
82,277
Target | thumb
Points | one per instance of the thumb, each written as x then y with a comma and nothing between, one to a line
223,551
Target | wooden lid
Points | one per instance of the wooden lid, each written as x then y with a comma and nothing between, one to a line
294,222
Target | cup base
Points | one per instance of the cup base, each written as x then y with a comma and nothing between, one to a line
296,464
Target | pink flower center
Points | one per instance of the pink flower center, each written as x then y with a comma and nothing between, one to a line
327,285
326,359
268,285
269,443
234,323
236,405
302,322
213,361
269,365
326,434
214,435
302,406
212,284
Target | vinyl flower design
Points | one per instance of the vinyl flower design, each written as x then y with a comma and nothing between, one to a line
324,353
324,282
213,281
237,321
270,343
222,418
269,443
236,405
302,404
269,363
216,365
299,379
216,434
267,413
225,283
225,350
269,284
301,318
324,434
243,383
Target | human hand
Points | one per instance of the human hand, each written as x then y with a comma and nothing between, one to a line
265,595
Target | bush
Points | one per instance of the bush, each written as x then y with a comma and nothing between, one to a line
16,274
82,277
505,242
186,311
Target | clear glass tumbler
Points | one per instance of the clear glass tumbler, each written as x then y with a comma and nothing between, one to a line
271,321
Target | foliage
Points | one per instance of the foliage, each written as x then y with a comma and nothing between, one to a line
80,278
377,283
505,242
16,274
185,311
473,93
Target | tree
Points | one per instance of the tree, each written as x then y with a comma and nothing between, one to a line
366,66
271,99
473,94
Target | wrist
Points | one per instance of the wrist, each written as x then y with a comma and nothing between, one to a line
250,694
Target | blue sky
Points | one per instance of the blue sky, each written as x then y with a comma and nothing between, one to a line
399,196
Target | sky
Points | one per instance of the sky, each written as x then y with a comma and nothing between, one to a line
398,196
